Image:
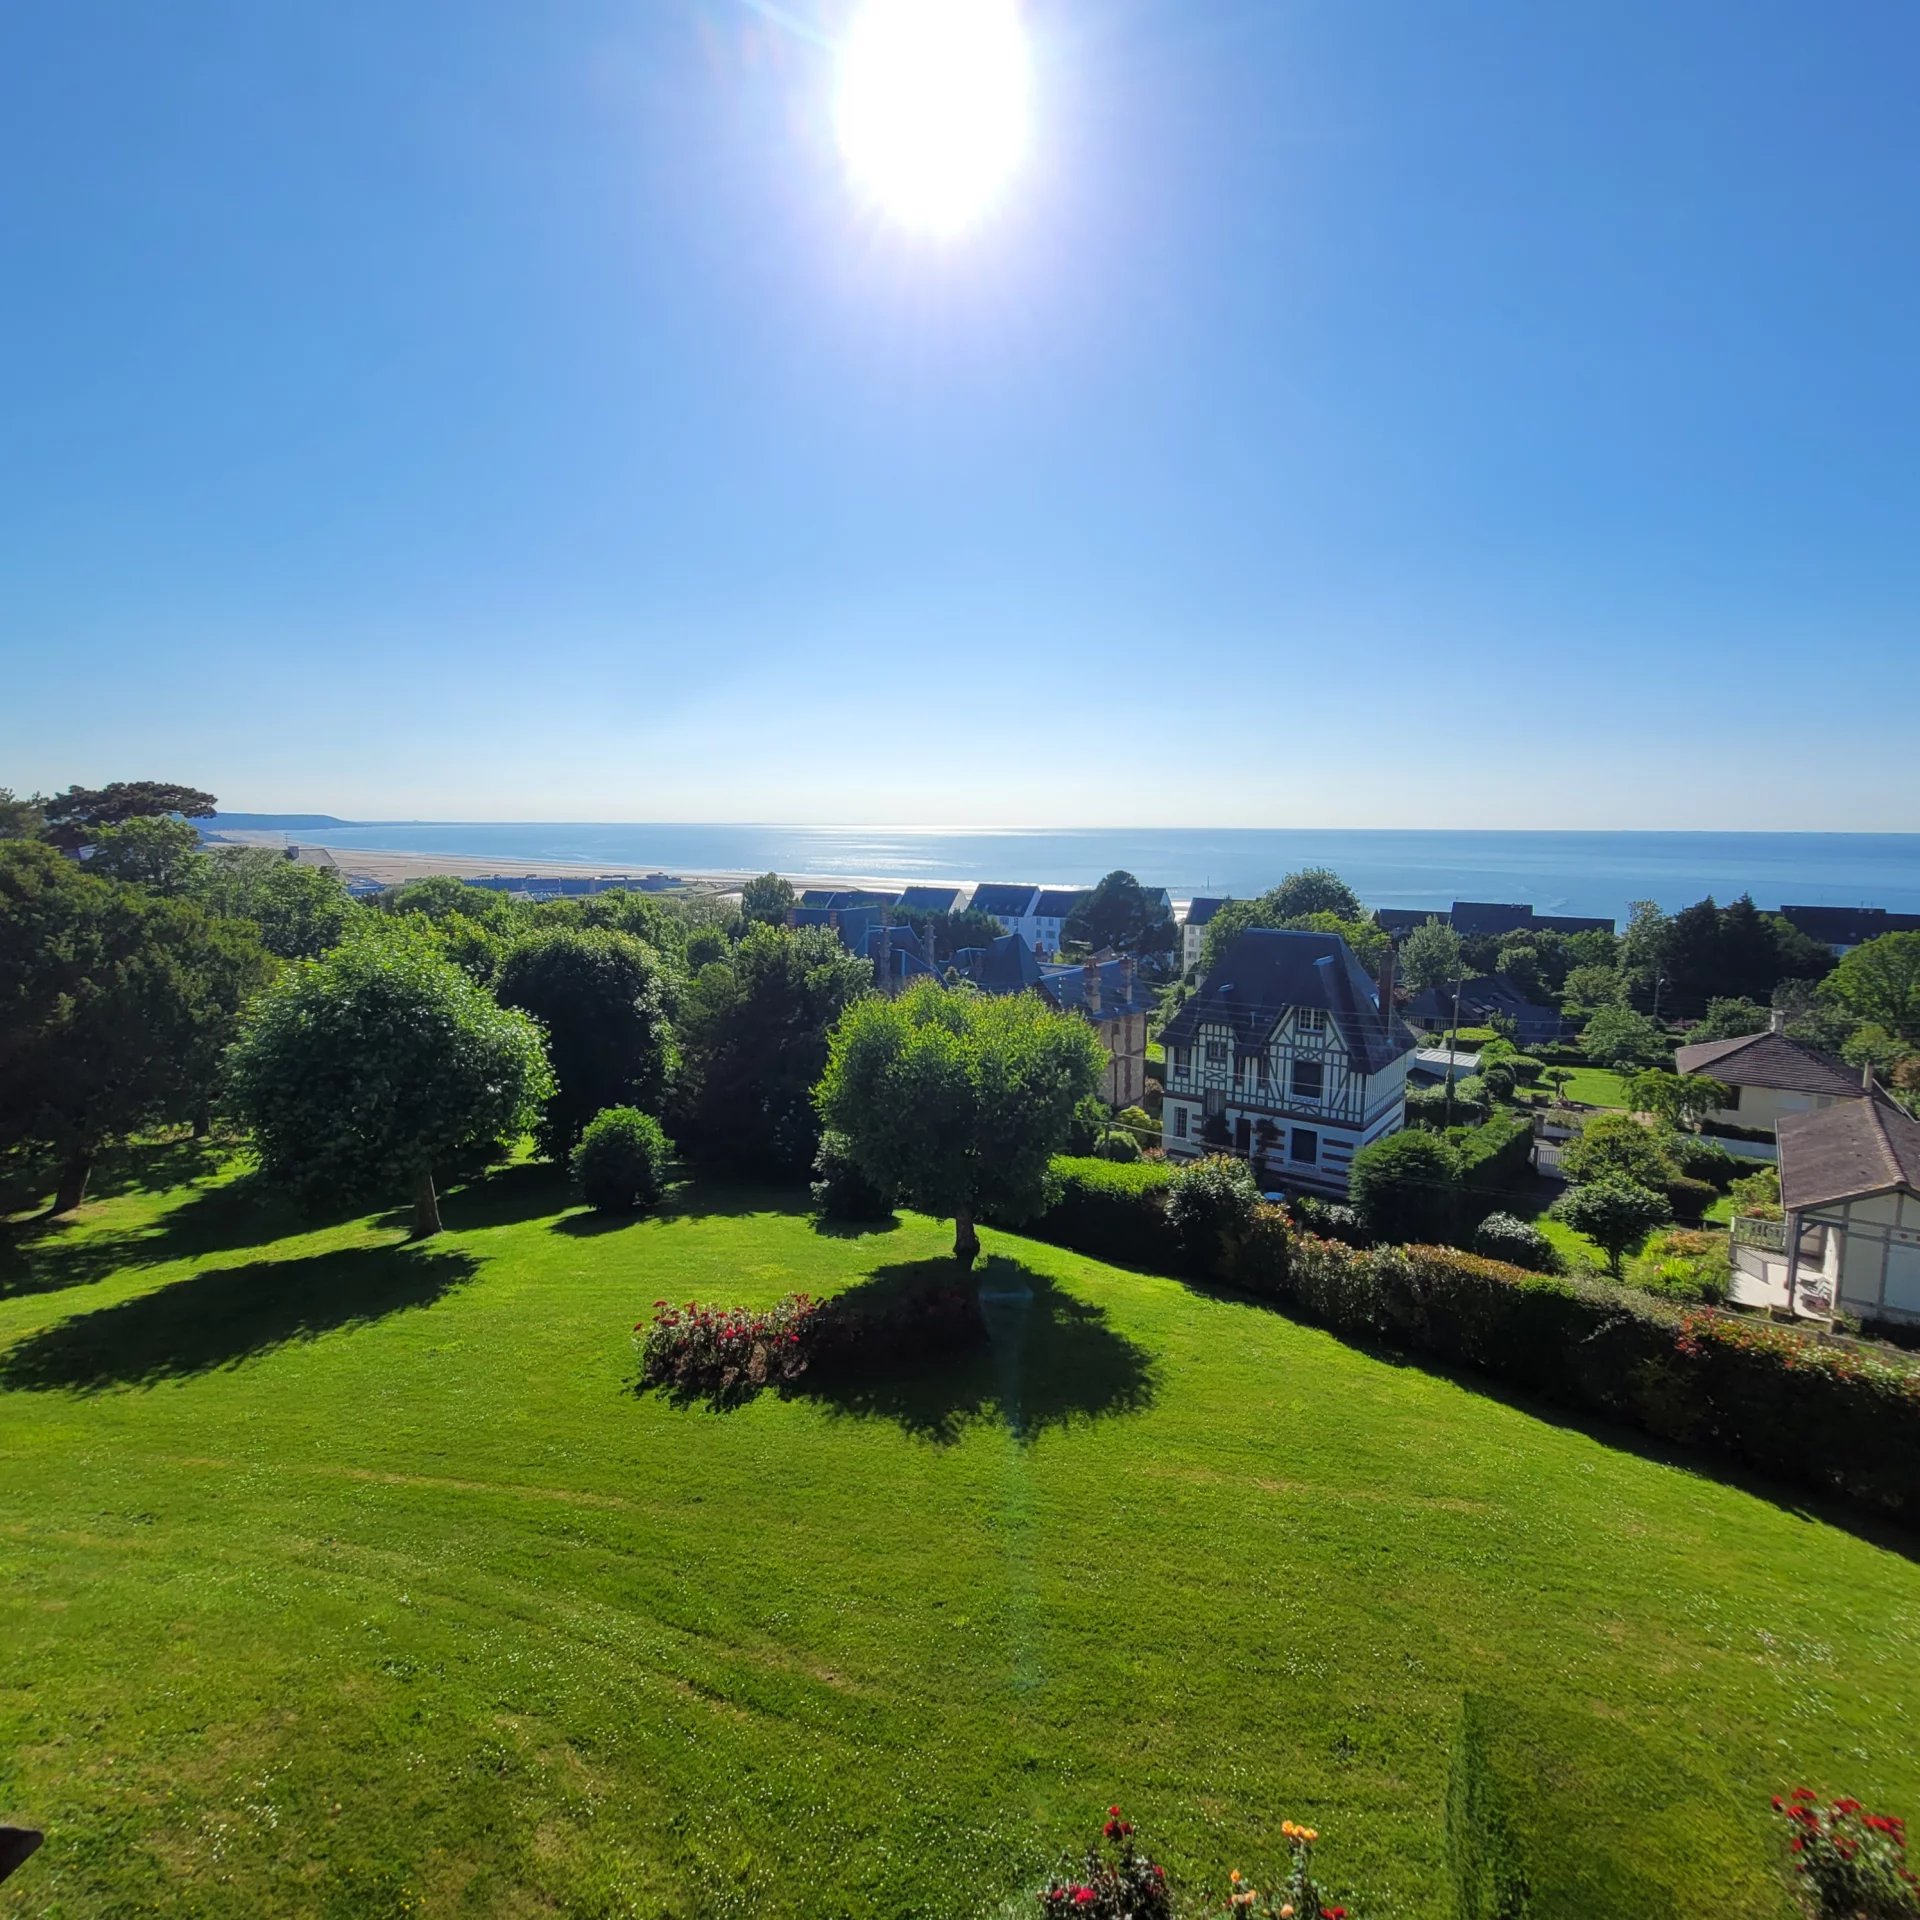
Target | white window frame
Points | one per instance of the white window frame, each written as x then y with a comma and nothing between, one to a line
1310,1019
1298,1092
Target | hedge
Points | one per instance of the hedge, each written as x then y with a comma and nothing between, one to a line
1113,1210
1494,1161
1819,1415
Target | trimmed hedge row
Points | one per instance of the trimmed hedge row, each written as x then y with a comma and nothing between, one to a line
1822,1416
1819,1415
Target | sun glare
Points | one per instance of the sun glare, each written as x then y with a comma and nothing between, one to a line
933,106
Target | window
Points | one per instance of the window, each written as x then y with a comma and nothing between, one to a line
1179,1123
1310,1020
1214,1100
1182,1060
1304,1150
1216,1053
1309,1078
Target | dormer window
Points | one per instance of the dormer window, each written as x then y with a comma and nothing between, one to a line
1310,1019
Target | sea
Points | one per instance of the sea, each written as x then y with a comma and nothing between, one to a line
1578,873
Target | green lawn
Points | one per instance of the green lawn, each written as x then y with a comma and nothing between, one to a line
339,1577
1590,1086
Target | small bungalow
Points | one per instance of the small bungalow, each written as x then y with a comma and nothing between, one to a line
1850,1188
1770,1076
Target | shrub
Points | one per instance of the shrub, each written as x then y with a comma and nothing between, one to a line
1701,1158
840,1190
1406,1187
1112,1210
1122,1885
1682,1265
1137,1119
1210,1202
1497,1077
1427,1107
1689,1199
1491,1163
1118,1144
1498,1048
1759,1194
1088,1123
1616,1146
1331,1220
1613,1213
1503,1236
1818,1414
1527,1068
620,1165
1848,1864
1213,1131
1256,1257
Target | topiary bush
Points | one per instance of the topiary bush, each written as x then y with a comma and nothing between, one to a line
1406,1187
1689,1199
1113,1210
1700,1158
620,1165
1497,1077
840,1190
1209,1202
1527,1068
1505,1236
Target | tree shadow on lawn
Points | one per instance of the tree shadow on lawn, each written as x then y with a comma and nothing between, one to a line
52,1256
1041,1358
229,1314
539,1190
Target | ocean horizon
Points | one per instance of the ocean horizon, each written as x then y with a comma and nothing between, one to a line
1554,872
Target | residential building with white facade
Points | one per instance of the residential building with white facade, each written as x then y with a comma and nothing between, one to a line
1193,929
1012,906
1288,1055
1850,1186
1770,1076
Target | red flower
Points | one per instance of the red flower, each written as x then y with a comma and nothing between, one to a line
1084,1896
1804,1793
1333,1913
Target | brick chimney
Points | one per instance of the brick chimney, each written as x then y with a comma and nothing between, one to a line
1777,1020
1090,986
1386,986
883,954
1126,978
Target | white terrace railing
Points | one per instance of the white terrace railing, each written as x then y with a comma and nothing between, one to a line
1750,1230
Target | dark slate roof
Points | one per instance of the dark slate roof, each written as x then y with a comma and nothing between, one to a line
1120,988
1265,971
906,958
1769,1060
1489,916
1843,1151
1011,901
817,897
1200,911
930,899
1405,919
1055,903
1485,994
1006,965
1849,926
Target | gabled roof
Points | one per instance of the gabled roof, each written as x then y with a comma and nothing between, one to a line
1005,965
1770,1060
1120,991
1200,911
1055,903
1012,902
1267,971
930,899
1491,916
1842,1152
1484,994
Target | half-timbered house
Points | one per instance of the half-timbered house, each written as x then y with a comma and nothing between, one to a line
1287,1056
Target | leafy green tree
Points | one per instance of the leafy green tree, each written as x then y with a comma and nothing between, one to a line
114,1006
764,902
157,852
1679,1099
300,911
1619,1038
1406,1188
1119,913
1520,963
1730,1019
1368,941
957,1102
442,894
366,1073
621,1162
20,815
1430,956
1880,982
599,999
1589,987
1615,1146
73,819
1613,1213
1871,1045
1315,890
1313,901
753,1037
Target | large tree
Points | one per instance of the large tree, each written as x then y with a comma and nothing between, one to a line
1880,982
956,1102
1679,1099
114,1007
300,911
20,815
1313,899
157,852
1619,1038
600,998
753,1039
75,817
1120,914
1613,1213
765,900
1430,956
366,1073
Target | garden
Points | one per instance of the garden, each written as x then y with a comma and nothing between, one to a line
345,1574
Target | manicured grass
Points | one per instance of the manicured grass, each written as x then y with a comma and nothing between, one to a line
1591,1086
341,1577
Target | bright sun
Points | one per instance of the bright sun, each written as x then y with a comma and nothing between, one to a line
933,106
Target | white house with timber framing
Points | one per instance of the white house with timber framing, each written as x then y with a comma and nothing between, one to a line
1292,1054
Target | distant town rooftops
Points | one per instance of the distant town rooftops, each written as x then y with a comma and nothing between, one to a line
1003,900
929,899
1843,927
1202,910
1496,917
1056,903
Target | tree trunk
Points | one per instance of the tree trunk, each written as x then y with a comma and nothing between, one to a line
966,1243
72,1188
426,1207
202,1121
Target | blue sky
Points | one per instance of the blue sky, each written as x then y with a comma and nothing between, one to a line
1360,413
